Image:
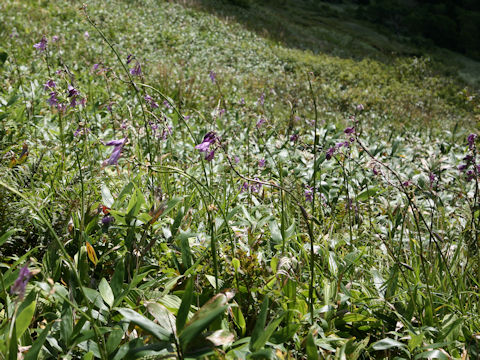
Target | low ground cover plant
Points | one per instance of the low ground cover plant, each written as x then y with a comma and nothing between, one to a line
174,186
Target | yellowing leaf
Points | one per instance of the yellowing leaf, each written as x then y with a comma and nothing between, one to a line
91,254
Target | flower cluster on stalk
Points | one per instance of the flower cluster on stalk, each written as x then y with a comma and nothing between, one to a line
209,140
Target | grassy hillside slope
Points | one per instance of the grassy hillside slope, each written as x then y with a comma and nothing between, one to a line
175,185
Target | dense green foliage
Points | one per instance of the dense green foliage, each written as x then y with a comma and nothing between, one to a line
173,185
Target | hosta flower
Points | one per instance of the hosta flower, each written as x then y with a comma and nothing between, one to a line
117,151
213,77
42,45
72,92
136,70
260,122
50,84
210,138
18,287
52,100
308,193
151,102
471,140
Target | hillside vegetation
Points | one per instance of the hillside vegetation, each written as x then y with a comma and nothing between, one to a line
182,180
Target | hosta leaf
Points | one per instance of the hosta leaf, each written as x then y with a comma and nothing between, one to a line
144,323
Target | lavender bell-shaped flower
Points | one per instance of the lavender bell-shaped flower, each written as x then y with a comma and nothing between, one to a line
117,151
20,284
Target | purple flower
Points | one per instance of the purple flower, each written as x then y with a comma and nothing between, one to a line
294,137
167,104
42,45
375,170
166,132
18,287
245,187
52,100
130,57
260,122
209,139
151,102
50,84
242,101
117,151
136,70
55,38
107,220
407,183
308,193
213,76
471,140
462,167
86,35
360,107
72,92
432,177
261,99
221,112
261,163
256,187
236,159
95,66
330,153
349,130
209,156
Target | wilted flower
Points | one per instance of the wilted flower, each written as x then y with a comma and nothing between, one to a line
50,84
52,100
471,140
260,122
209,156
136,70
261,99
213,76
72,92
18,287
151,102
330,153
117,151
308,193
42,45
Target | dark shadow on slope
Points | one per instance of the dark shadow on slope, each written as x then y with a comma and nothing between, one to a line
331,28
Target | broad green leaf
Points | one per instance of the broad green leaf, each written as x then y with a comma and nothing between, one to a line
260,324
432,354
204,317
114,339
117,279
34,351
184,309
13,345
66,324
107,198
239,319
388,343
144,323
6,235
265,335
364,195
25,318
106,292
164,317
263,354
311,348
88,356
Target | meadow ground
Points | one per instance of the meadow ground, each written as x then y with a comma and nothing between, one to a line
177,182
